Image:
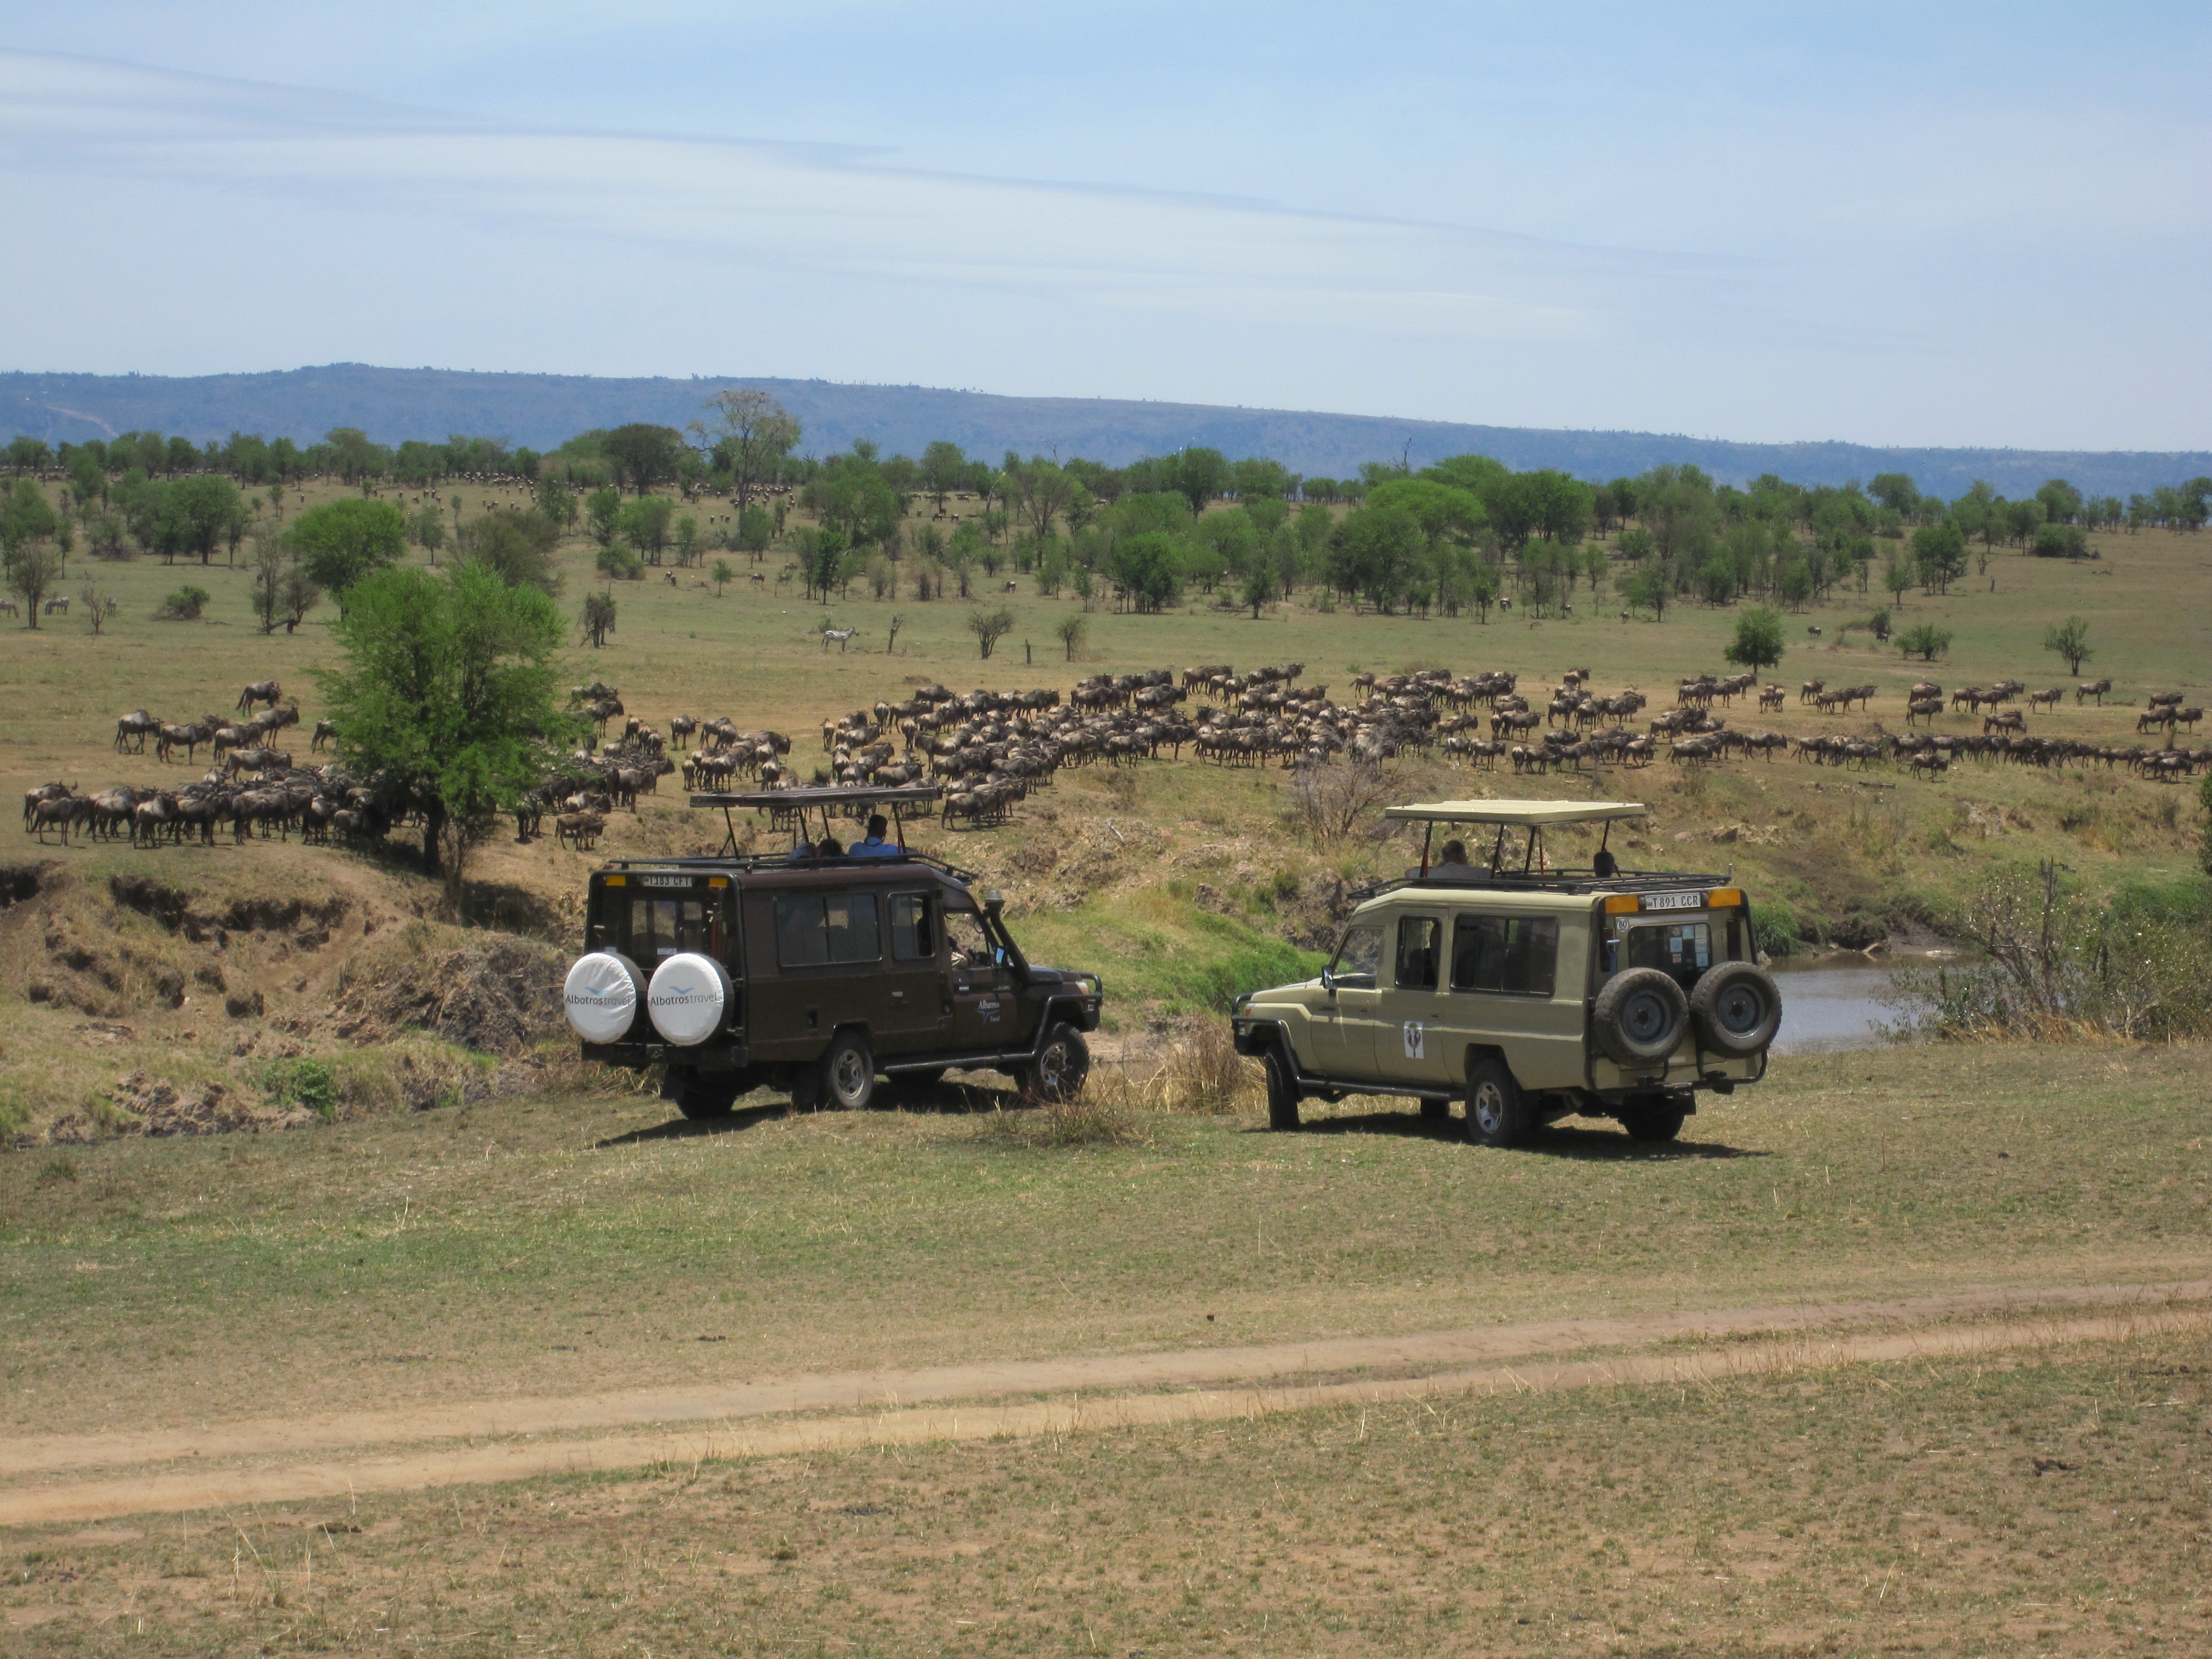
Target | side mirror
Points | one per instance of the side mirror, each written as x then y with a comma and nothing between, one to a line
1329,980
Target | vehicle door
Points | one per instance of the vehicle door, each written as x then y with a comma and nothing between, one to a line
828,956
1506,991
913,977
1344,1019
1408,1045
979,985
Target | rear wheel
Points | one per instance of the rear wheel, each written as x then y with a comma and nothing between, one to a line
1654,1121
1058,1072
849,1074
1498,1113
1282,1089
698,1097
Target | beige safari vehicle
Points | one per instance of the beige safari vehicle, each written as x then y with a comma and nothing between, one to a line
1532,992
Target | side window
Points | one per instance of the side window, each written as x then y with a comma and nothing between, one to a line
802,931
1358,958
1519,955
913,931
855,934
1419,941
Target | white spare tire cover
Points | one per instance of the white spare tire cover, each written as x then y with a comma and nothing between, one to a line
601,996
689,995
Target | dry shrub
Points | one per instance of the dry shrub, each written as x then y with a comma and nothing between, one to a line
1199,1073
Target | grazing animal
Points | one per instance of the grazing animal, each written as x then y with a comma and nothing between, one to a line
1814,630
266,691
133,730
2045,699
2092,688
325,732
844,636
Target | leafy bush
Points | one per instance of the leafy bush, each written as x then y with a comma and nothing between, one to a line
184,606
309,1083
1774,929
2056,961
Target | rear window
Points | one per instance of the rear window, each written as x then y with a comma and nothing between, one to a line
815,930
662,926
1517,955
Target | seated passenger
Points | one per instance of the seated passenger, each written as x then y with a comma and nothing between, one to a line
1605,865
1451,863
830,848
876,846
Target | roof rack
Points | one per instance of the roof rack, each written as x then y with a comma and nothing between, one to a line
1541,881
1530,815
787,809
747,863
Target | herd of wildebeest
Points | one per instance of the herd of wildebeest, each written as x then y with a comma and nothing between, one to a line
988,749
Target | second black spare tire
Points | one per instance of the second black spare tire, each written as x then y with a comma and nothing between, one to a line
1639,1018
1738,1008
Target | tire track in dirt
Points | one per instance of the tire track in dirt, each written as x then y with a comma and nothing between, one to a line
1794,1343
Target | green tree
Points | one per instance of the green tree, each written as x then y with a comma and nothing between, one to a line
687,541
1148,568
722,575
1377,551
1758,641
341,542
448,692
1041,490
1940,550
1070,630
989,627
1199,476
603,512
33,569
943,469
598,617
2070,639
519,546
2061,501
1927,642
756,530
2061,541
556,500
749,434
644,454
645,524
1649,588
26,516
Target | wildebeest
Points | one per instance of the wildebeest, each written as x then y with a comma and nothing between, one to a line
266,691
131,731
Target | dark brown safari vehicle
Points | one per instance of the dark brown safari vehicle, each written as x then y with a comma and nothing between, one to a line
814,973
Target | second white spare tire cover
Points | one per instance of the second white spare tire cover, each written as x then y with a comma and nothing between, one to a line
601,996
687,998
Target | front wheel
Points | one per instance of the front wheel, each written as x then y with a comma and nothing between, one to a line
1282,1089
1498,1112
1058,1072
849,1074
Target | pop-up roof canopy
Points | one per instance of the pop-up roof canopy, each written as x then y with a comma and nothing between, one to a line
1519,814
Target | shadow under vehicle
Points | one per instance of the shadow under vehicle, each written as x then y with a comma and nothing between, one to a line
817,974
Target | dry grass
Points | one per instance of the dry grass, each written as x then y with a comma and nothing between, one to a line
2048,1503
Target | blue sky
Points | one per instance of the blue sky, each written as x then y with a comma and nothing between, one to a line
1908,224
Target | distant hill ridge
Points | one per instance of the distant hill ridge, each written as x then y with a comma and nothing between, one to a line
542,411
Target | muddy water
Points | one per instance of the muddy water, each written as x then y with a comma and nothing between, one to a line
1832,1002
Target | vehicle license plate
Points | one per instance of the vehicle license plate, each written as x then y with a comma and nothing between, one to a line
665,881
1673,901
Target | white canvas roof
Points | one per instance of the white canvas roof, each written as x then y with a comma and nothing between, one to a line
1527,814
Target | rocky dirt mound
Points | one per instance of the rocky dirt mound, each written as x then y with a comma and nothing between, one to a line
499,996
155,1106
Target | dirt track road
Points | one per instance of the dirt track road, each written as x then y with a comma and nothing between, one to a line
277,1460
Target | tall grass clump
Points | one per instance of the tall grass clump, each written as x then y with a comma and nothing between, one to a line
2055,963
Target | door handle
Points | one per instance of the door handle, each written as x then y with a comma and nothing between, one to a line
898,996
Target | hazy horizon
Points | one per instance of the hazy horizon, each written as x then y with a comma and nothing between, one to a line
1910,225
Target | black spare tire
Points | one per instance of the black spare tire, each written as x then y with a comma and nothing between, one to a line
1639,1018
1738,1008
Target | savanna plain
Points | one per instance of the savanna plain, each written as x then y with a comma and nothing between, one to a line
448,1345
